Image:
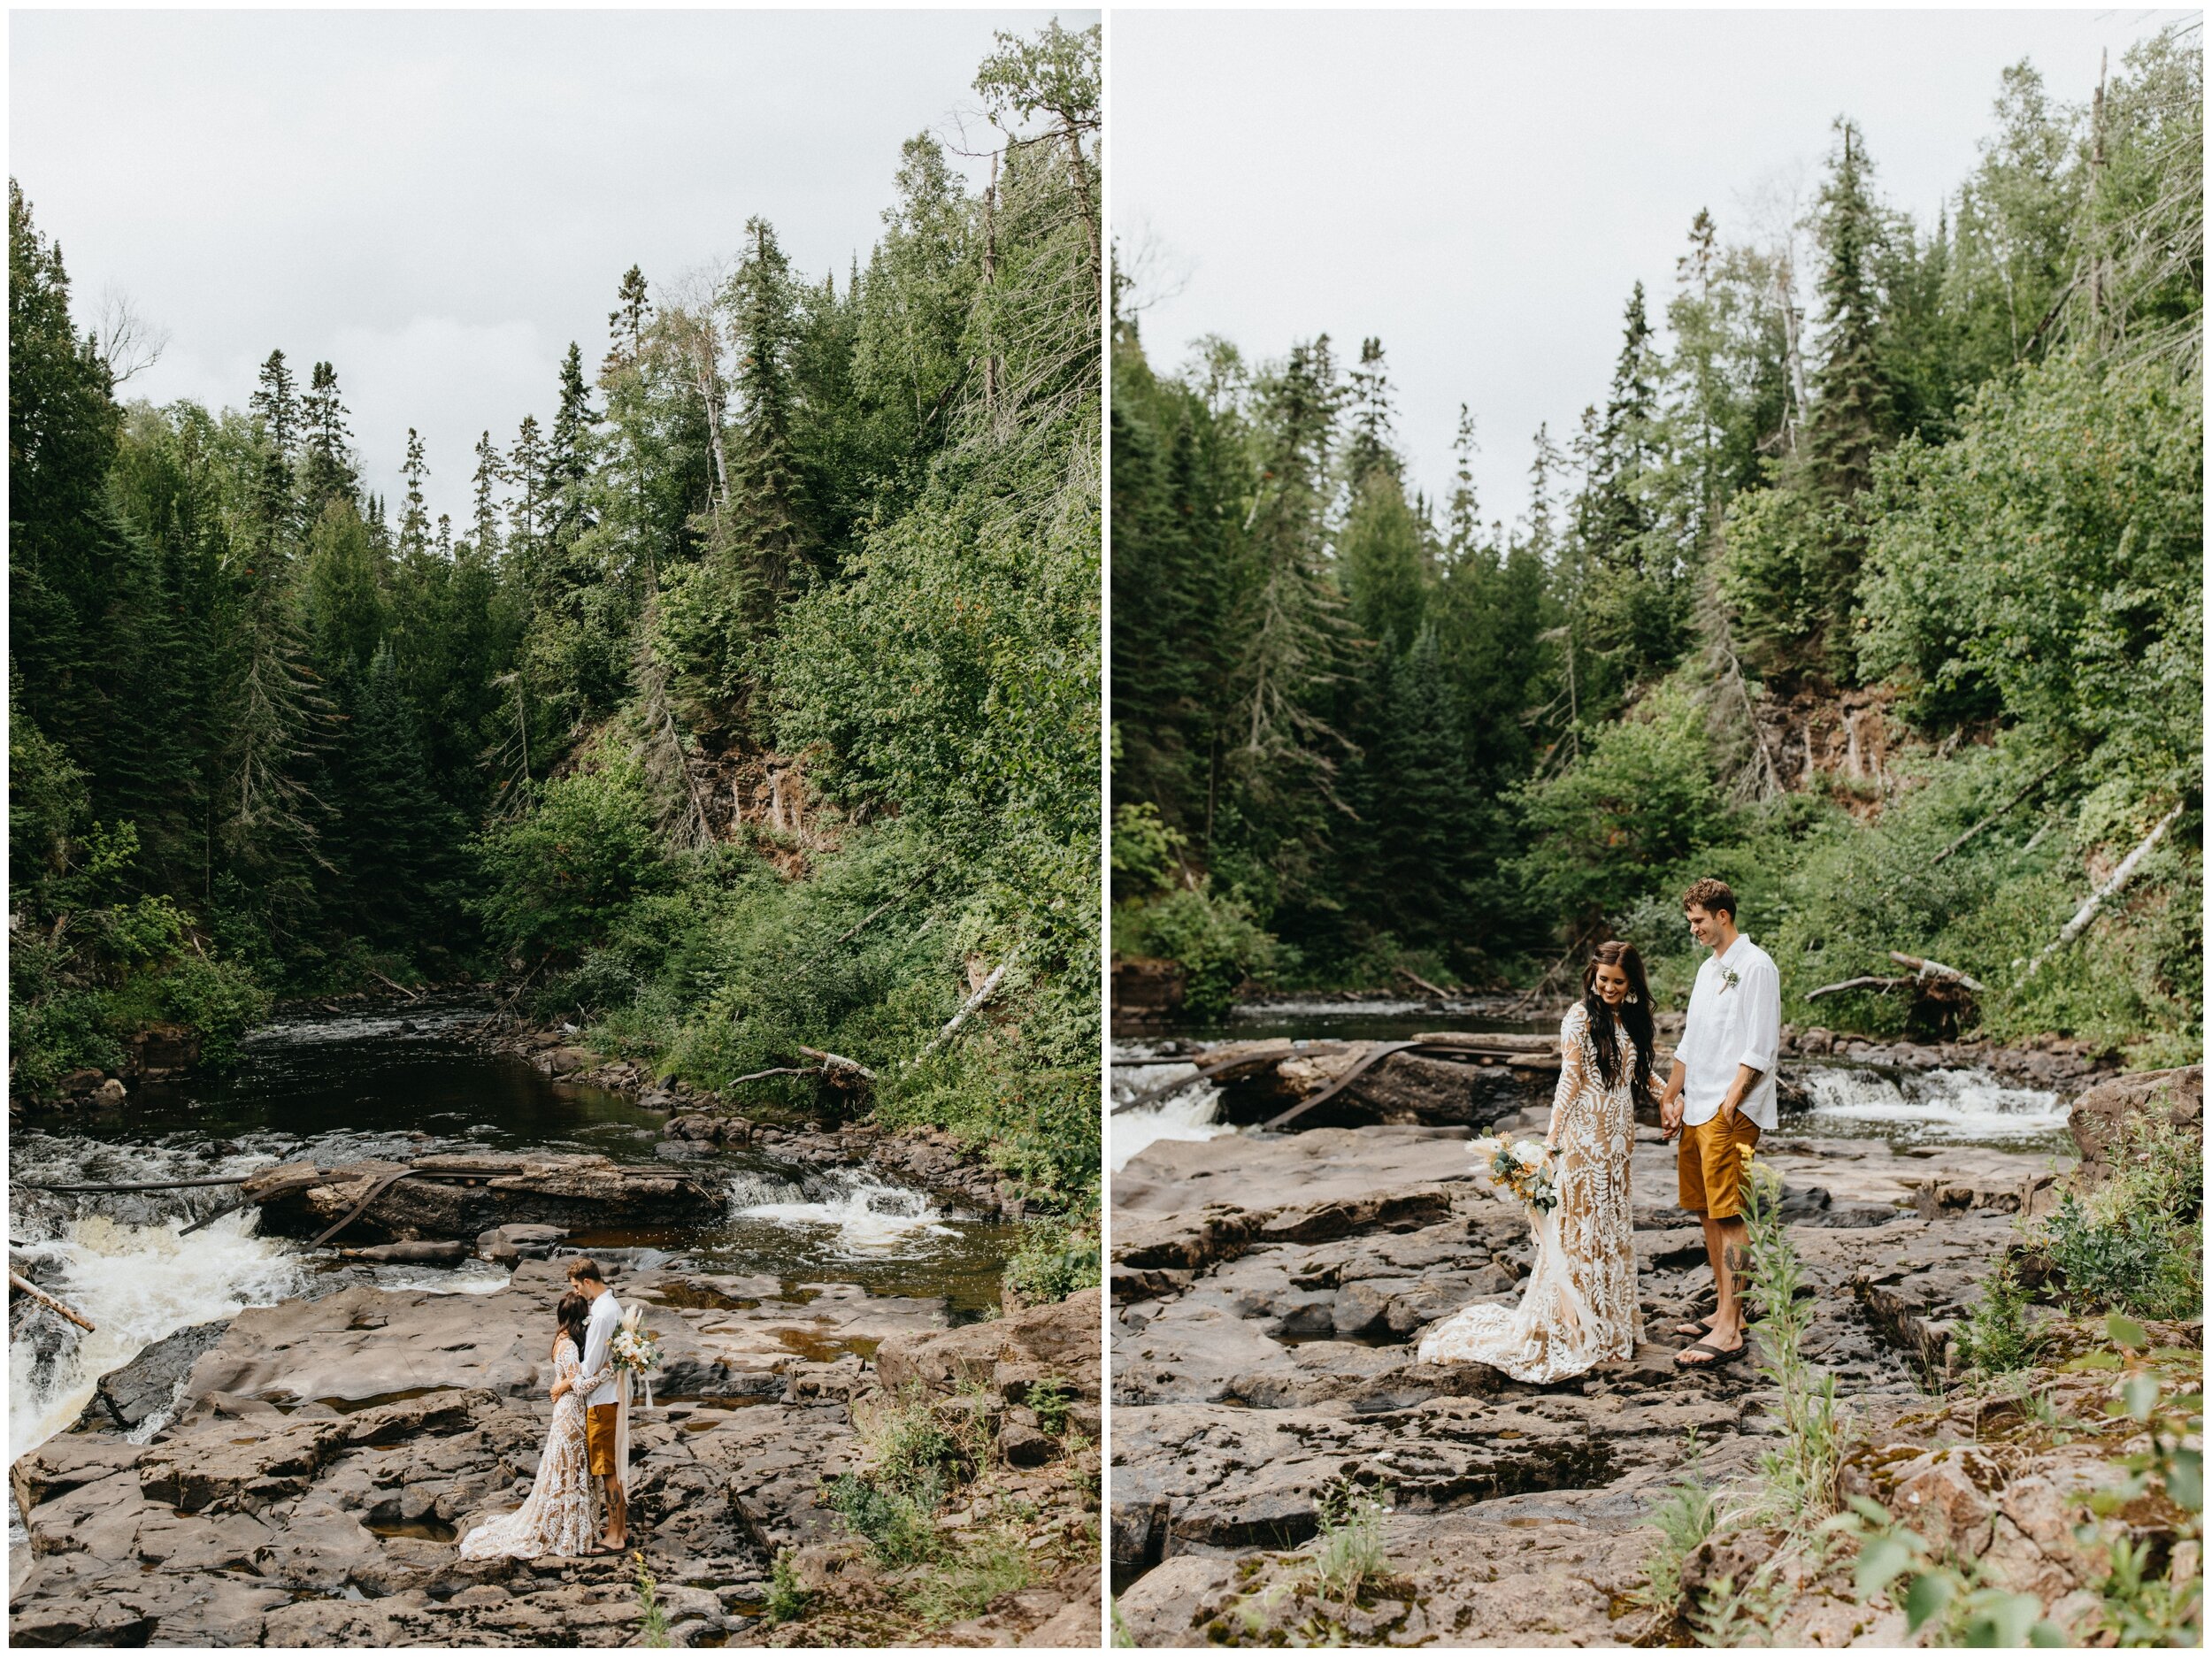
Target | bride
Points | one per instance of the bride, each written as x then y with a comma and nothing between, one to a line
1580,1307
556,1520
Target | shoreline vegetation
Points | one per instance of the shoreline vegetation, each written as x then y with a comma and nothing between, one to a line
1883,605
754,710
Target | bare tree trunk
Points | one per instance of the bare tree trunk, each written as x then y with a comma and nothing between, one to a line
2087,912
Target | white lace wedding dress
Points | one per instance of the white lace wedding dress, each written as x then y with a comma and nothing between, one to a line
1579,1307
559,1519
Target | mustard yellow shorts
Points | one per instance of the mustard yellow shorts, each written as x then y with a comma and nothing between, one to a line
1709,1165
599,1425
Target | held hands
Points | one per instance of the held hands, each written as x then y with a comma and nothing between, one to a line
1670,1116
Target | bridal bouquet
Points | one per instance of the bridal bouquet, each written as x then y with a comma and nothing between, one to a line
1522,1170
632,1348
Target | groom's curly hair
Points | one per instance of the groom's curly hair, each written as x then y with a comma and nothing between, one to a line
583,1269
1715,897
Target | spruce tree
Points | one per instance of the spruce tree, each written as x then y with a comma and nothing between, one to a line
414,520
1850,416
768,543
326,471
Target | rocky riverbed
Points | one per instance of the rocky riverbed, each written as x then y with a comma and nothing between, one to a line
325,1456
1268,1292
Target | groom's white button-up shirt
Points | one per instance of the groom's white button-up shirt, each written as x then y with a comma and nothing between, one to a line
1729,1024
606,1318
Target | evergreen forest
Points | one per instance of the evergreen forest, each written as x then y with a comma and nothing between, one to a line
1870,582
754,705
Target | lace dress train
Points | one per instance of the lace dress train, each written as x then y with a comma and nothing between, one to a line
559,1519
1579,1307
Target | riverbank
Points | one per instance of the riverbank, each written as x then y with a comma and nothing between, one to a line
326,1455
1270,1292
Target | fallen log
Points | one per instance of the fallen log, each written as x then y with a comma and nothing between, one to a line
17,1286
2001,812
838,1064
1924,970
410,1254
982,994
2087,912
1867,981
1416,979
412,995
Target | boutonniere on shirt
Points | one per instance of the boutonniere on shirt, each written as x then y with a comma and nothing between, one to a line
1728,979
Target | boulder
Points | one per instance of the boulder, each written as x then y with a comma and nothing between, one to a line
2104,1116
477,1193
124,1398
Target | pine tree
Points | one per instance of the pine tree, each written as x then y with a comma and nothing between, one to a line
528,465
1850,416
490,474
414,520
326,471
768,540
1372,442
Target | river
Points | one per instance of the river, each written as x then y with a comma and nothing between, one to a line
395,1082
1954,1107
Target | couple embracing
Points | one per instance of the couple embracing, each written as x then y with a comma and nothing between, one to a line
587,1448
1580,1306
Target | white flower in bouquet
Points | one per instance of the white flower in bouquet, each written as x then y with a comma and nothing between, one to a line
1528,1153
1485,1150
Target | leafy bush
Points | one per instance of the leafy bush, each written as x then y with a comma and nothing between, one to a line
787,1596
2133,1243
898,1528
221,1000
1623,820
964,1585
557,878
1214,938
1999,1337
1683,1520
1053,1262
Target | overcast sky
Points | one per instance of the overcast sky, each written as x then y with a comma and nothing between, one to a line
1481,189
438,203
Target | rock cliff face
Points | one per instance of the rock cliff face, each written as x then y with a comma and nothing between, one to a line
328,1455
1268,1293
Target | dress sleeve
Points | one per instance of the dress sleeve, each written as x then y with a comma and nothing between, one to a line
598,1360
1574,1046
564,1362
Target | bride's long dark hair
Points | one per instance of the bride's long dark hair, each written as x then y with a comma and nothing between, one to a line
572,1312
1635,1015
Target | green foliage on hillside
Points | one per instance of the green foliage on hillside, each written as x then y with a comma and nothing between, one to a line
1884,605
756,699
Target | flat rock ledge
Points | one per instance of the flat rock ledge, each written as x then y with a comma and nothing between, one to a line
1268,1294
325,1456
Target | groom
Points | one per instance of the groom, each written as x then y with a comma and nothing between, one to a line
602,1408
1719,1097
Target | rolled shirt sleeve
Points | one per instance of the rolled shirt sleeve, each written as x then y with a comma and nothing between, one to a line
1762,1015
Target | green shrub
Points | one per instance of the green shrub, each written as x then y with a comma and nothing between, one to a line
1214,938
1801,1474
786,1598
2133,1245
1053,1262
898,1529
1048,1400
1999,1337
555,878
221,1000
1352,1554
1683,1520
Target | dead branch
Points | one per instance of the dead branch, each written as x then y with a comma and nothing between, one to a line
1924,970
17,1286
1867,983
837,1064
982,994
2001,812
2087,912
1418,982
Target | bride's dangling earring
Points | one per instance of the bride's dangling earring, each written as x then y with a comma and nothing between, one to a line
1632,1001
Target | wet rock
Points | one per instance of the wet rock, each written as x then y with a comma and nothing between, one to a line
410,1254
504,1245
151,1382
481,1193
108,1094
